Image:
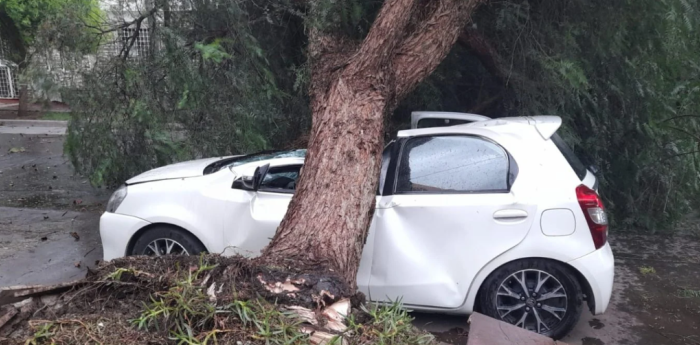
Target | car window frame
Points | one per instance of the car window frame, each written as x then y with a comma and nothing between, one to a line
511,173
281,191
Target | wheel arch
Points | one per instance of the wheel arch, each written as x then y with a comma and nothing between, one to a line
140,232
589,297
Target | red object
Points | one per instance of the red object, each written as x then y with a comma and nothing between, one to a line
594,211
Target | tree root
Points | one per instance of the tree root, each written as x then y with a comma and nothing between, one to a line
196,299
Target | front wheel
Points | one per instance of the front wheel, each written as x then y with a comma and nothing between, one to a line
167,240
539,295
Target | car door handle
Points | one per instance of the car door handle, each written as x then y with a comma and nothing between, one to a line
510,214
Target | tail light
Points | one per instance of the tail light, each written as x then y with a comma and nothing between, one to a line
594,211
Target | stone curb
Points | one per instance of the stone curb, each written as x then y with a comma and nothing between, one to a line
33,123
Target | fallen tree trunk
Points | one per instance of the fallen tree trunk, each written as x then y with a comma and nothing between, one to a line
353,87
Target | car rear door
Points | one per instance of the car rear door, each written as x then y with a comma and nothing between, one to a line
425,119
447,210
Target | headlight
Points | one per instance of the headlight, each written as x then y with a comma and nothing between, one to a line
116,199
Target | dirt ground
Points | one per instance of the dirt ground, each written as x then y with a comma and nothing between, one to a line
656,298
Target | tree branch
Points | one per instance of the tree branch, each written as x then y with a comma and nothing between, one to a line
478,45
13,38
677,117
433,39
124,25
385,34
126,48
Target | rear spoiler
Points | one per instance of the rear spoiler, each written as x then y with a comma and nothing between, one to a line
546,125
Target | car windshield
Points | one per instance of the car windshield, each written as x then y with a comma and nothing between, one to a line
253,157
256,157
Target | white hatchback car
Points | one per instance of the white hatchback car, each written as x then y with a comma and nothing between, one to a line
496,215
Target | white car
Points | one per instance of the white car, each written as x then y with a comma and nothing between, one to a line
497,216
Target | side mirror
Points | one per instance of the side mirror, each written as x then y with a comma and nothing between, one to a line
259,175
244,183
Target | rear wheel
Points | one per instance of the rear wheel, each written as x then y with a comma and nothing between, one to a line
535,294
167,240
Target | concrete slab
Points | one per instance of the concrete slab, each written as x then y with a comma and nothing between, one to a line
33,130
33,123
37,247
33,127
484,330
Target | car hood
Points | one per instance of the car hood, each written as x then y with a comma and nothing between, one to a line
179,170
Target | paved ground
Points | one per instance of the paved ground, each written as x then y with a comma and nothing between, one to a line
33,127
647,308
42,201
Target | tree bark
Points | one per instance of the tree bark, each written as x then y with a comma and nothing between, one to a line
23,105
478,45
352,90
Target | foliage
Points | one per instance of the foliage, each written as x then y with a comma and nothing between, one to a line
689,293
645,270
58,116
29,17
623,75
390,324
212,89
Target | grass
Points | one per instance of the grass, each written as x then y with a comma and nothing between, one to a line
689,293
647,270
183,310
43,334
189,315
52,115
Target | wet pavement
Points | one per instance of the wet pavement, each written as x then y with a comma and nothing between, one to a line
44,206
46,246
43,202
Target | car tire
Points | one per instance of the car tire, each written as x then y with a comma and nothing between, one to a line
167,240
501,296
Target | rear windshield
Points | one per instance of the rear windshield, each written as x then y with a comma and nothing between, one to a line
570,156
435,122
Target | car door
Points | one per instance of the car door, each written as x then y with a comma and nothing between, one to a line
425,119
447,210
255,214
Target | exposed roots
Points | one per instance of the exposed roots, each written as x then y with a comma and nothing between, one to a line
198,300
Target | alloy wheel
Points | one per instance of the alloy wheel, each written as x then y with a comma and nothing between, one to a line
164,246
532,299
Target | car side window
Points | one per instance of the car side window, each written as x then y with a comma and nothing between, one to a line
386,159
449,164
281,179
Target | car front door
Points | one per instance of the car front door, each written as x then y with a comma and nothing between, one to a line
447,210
255,214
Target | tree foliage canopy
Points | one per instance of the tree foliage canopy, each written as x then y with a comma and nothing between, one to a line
22,20
224,77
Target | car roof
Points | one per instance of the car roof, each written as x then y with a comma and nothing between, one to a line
545,125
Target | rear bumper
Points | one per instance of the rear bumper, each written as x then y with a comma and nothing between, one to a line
116,231
598,268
